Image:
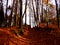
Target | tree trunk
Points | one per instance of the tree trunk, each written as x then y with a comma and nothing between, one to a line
21,19
37,7
16,15
29,12
35,18
42,11
11,18
47,12
1,14
6,14
57,13
25,11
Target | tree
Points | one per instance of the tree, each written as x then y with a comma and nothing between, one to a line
12,11
6,14
21,19
25,11
47,12
16,15
36,15
42,11
1,14
30,10
57,12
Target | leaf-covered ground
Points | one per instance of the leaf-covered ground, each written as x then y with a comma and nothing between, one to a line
32,36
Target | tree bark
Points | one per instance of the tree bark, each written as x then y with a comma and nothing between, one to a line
57,13
21,19
16,15
25,11
37,7
42,11
1,14
47,12
35,18
6,14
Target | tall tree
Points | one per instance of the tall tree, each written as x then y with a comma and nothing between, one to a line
29,5
35,12
25,11
21,19
16,15
42,11
6,13
57,12
1,13
47,12
11,18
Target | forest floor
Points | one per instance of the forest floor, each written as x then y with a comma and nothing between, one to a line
32,36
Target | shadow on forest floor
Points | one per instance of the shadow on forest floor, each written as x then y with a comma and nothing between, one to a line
32,36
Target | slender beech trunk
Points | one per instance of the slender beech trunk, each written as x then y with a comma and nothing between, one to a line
34,12
1,13
57,13
21,19
47,12
29,12
16,15
12,11
42,11
6,13
37,7
10,17
25,11
59,17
